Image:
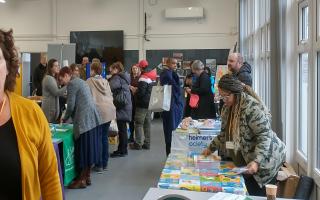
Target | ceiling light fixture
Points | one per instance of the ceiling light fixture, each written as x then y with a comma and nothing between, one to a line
2,1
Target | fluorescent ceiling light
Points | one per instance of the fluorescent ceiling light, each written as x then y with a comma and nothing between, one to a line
2,1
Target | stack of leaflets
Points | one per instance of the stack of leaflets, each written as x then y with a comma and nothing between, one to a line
198,173
210,183
206,162
169,179
190,179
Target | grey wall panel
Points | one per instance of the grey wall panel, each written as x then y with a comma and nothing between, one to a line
62,52
130,57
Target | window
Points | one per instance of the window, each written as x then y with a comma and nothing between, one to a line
317,137
317,21
303,104
318,124
303,22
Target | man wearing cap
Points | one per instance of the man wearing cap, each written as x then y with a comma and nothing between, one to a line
143,115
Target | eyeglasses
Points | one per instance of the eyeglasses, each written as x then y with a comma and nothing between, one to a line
224,98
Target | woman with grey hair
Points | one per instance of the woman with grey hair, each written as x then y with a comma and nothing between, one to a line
202,87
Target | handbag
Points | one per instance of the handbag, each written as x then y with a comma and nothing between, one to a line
119,98
194,101
113,129
160,99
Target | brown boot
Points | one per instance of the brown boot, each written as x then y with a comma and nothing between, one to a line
88,178
80,182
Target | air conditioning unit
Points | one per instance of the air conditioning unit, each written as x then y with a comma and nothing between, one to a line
181,13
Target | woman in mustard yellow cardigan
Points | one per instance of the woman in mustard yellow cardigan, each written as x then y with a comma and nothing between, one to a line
28,164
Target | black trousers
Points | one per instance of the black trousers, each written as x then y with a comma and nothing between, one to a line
167,129
123,137
131,124
253,187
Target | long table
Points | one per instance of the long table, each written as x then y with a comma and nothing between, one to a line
64,133
195,172
158,193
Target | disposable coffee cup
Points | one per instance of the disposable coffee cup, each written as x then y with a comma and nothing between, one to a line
271,191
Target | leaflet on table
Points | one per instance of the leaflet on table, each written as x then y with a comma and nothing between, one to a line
234,190
188,182
207,124
61,130
169,186
60,127
200,124
210,179
213,132
239,170
227,165
228,196
169,176
206,162
210,184
169,180
170,171
191,171
202,158
209,172
210,188
187,131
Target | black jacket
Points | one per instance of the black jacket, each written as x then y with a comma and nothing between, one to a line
144,92
206,108
244,74
37,77
187,108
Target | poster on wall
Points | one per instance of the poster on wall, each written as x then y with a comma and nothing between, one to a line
186,64
179,58
221,70
211,63
164,60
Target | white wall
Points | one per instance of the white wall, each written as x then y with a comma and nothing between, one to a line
219,28
39,22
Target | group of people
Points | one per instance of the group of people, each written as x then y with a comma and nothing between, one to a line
246,136
94,103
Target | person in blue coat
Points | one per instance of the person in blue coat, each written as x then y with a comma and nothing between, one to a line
172,118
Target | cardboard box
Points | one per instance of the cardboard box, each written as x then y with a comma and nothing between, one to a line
287,188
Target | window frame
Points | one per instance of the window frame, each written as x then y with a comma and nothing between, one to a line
301,6
300,74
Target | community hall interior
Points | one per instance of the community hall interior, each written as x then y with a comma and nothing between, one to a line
160,99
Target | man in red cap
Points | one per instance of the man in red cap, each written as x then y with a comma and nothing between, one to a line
143,115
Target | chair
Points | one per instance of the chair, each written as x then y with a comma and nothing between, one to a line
304,188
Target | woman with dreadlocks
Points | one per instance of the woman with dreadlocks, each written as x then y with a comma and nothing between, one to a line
246,136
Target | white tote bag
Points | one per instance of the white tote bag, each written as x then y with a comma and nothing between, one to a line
160,99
